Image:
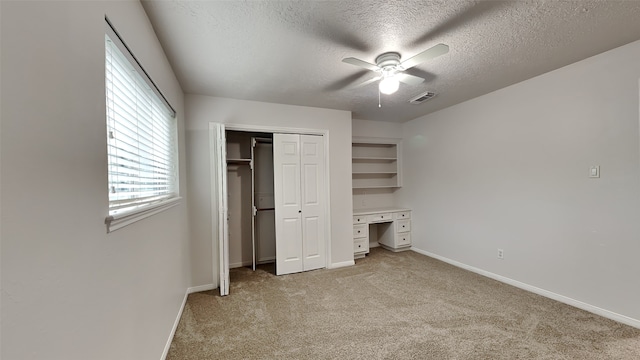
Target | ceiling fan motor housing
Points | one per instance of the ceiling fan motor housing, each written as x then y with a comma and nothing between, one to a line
389,61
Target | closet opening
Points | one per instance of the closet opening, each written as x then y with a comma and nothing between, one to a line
250,189
269,199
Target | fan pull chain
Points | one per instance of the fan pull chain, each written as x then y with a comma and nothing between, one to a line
379,98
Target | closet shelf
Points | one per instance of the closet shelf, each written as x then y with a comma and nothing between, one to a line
238,161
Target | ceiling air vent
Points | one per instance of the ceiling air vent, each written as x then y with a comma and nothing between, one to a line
422,98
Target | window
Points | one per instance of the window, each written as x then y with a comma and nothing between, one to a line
142,139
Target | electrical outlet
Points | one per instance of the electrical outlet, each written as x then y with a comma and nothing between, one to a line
500,254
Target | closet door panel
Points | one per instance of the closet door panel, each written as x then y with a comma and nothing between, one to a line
311,241
291,250
311,195
288,207
299,174
313,207
218,168
290,185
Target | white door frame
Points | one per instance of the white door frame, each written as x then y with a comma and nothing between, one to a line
219,237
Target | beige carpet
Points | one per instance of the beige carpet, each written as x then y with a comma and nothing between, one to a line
390,306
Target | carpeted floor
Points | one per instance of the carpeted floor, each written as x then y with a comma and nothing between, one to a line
390,306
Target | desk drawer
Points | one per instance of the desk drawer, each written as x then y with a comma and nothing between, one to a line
384,217
360,246
402,215
403,225
403,239
359,219
361,231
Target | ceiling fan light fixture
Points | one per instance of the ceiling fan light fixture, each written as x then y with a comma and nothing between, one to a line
389,85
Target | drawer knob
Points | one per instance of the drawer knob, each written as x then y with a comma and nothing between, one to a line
381,216
358,231
402,225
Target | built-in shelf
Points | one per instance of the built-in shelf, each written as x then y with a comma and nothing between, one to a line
376,163
373,159
374,173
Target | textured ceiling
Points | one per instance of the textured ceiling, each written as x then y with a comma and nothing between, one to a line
291,52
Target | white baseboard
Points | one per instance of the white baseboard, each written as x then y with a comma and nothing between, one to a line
174,328
190,290
551,295
200,288
266,260
240,264
341,264
331,266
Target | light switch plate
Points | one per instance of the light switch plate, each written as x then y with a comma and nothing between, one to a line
594,171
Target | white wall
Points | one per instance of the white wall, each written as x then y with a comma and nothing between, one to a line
69,289
374,198
202,110
510,170
380,129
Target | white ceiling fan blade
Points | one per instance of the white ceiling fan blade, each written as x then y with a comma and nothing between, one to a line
409,79
365,83
428,54
360,63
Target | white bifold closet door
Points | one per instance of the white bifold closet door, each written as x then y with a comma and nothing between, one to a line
298,162
219,203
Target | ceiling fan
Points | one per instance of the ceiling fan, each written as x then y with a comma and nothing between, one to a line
391,70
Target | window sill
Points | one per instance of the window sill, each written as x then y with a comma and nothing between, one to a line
118,221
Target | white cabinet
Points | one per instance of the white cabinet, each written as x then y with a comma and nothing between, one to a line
393,229
380,217
359,219
360,240
376,163
397,236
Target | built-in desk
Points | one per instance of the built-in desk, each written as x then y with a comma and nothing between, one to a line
393,229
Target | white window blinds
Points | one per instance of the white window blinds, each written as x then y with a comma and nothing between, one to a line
142,135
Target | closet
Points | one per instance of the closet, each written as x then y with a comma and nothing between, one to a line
251,211
276,200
